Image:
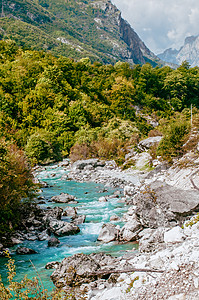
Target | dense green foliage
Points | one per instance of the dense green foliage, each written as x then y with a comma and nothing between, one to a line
49,104
16,185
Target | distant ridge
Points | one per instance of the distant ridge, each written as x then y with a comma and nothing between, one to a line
188,52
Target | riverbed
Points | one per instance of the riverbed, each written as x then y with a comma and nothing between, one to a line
97,213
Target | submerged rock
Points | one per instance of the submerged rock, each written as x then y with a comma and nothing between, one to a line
102,199
25,250
53,242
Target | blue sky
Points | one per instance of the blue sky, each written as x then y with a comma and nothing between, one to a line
161,24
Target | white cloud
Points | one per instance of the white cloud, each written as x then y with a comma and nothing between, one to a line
161,24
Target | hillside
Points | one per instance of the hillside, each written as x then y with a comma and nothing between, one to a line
76,29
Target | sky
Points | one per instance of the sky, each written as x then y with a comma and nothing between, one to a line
161,24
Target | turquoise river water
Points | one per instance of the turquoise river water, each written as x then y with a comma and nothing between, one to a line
97,213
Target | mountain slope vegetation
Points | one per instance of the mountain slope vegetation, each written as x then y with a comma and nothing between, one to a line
74,29
49,104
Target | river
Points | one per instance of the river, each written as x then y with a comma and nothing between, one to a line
97,213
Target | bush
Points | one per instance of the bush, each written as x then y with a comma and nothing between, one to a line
33,288
42,148
171,145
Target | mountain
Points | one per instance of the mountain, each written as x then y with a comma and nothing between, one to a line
189,52
77,29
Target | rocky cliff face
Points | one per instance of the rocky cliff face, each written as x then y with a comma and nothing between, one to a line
189,52
78,29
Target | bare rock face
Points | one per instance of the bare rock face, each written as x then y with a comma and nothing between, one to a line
108,233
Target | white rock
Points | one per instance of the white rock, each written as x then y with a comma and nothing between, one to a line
174,235
195,281
102,199
177,297
110,294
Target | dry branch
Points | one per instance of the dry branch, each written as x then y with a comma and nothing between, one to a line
106,272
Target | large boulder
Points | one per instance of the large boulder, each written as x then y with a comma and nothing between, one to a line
70,212
108,233
61,228
163,205
79,219
149,142
151,239
174,235
53,213
63,198
130,230
81,164
78,269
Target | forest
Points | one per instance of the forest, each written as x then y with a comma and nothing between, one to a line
55,107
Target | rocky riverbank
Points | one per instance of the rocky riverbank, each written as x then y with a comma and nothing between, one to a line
160,205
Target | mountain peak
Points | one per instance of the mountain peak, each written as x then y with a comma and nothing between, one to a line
189,52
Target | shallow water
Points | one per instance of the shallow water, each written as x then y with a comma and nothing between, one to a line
97,213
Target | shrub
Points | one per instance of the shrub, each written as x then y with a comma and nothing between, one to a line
171,145
42,147
33,288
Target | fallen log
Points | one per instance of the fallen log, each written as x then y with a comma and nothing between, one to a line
106,272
